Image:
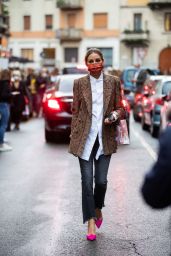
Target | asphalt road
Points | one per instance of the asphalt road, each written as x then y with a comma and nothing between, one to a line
40,200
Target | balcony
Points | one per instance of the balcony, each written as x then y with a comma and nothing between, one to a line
70,4
134,38
159,4
69,34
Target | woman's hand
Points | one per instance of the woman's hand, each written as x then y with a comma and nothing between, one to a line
107,121
113,117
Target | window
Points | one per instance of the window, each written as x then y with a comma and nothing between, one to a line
167,22
71,19
71,55
49,53
27,53
49,21
100,20
27,22
137,22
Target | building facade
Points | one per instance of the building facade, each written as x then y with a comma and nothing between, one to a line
58,32
146,33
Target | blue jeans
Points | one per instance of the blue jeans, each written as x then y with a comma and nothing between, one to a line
90,200
4,117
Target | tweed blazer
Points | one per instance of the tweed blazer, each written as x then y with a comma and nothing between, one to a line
82,113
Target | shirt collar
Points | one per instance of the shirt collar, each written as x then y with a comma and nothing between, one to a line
98,79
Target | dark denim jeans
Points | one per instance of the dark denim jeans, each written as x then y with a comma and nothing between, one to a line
4,117
90,200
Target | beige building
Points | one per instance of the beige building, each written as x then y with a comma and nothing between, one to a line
58,32
145,33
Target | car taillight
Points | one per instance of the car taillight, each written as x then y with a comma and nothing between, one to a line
53,104
159,101
138,97
145,101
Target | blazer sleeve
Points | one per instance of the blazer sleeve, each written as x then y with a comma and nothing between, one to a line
75,105
118,99
156,188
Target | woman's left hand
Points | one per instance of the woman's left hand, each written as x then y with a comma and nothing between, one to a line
107,121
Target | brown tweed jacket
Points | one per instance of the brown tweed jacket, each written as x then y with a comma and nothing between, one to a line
82,113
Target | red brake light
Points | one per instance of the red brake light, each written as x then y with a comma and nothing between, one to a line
53,104
138,97
159,101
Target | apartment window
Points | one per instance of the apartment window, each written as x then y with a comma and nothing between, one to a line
137,21
27,22
71,20
27,53
71,55
167,22
100,20
49,21
49,53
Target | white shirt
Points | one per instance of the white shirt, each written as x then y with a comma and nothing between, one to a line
97,118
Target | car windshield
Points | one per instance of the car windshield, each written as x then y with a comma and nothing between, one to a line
130,75
166,88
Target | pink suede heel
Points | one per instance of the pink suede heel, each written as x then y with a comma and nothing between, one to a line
98,222
91,237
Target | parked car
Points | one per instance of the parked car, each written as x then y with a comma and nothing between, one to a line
164,122
141,96
126,81
127,77
151,107
57,103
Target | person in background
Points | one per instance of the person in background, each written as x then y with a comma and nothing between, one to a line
156,187
42,83
54,75
97,105
18,101
5,99
31,83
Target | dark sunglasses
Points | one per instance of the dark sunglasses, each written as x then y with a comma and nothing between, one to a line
94,61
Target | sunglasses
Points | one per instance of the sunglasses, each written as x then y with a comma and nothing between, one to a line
94,60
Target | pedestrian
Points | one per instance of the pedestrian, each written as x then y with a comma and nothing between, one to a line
97,97
156,188
31,83
5,99
18,101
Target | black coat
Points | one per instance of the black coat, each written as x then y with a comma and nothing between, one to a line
5,91
18,100
156,189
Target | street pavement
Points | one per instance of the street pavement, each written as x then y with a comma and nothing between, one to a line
40,200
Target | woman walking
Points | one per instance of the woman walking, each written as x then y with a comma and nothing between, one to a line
96,109
18,101
5,100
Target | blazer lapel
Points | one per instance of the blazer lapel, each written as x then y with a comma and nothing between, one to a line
86,90
107,92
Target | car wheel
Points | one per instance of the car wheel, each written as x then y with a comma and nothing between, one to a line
49,137
143,124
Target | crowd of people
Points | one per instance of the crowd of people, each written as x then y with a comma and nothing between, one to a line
19,89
